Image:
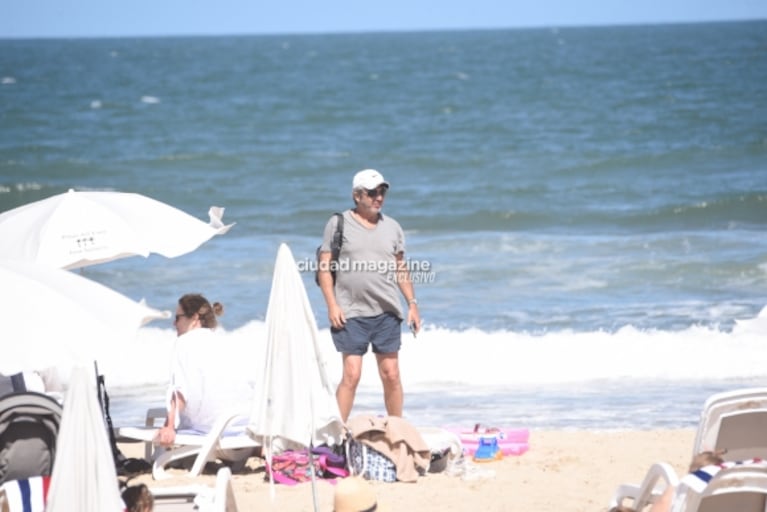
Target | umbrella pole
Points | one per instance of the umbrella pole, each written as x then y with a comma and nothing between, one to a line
314,477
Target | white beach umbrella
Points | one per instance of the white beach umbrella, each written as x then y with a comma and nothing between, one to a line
55,318
84,475
296,402
75,229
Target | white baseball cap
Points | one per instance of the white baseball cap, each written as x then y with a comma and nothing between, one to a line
368,179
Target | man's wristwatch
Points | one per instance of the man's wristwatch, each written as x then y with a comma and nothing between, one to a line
412,301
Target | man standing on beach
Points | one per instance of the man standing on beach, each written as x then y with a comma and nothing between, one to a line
363,304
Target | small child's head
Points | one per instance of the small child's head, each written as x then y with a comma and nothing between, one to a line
138,498
706,459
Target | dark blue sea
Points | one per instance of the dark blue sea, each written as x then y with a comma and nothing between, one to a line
592,202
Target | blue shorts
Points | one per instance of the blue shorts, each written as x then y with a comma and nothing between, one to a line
382,332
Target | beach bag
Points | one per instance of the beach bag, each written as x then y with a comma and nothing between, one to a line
292,467
335,249
370,463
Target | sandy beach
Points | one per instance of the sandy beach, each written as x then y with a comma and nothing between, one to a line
575,471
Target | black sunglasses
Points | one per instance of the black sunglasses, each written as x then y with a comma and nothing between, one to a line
180,316
380,191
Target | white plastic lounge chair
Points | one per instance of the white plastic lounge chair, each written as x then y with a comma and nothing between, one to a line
637,496
28,495
735,421
198,498
733,488
223,436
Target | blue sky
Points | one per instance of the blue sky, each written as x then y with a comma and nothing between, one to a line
67,18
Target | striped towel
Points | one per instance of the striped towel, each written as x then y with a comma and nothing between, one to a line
26,495
698,480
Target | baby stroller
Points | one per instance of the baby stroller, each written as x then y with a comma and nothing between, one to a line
29,426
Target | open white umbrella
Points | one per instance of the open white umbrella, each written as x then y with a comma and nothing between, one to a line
84,475
75,229
296,403
56,318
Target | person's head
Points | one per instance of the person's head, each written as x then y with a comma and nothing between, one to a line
138,498
355,494
621,508
368,190
194,311
706,459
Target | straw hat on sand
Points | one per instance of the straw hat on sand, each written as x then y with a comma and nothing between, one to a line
355,494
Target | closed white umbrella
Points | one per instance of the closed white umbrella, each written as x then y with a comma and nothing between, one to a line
75,229
296,403
84,476
57,318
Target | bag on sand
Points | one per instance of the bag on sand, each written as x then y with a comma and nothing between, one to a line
370,463
295,466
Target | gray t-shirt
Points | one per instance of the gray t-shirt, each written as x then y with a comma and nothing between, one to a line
366,281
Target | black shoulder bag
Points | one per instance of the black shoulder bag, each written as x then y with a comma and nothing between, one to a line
335,249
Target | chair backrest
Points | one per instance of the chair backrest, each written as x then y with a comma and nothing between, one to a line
736,487
29,426
735,421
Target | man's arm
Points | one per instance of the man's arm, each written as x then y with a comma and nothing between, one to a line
408,291
325,278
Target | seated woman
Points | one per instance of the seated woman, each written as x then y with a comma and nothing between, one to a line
203,385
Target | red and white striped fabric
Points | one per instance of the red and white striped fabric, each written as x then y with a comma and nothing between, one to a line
26,495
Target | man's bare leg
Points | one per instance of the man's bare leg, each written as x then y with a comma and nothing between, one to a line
388,369
347,388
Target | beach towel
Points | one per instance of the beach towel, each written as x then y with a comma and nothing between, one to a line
295,466
698,480
25,495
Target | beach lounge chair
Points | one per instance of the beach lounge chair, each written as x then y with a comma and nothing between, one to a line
735,421
29,495
225,436
197,498
730,487
659,477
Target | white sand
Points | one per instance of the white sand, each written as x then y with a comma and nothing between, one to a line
562,471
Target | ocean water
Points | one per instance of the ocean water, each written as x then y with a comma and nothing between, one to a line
591,202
